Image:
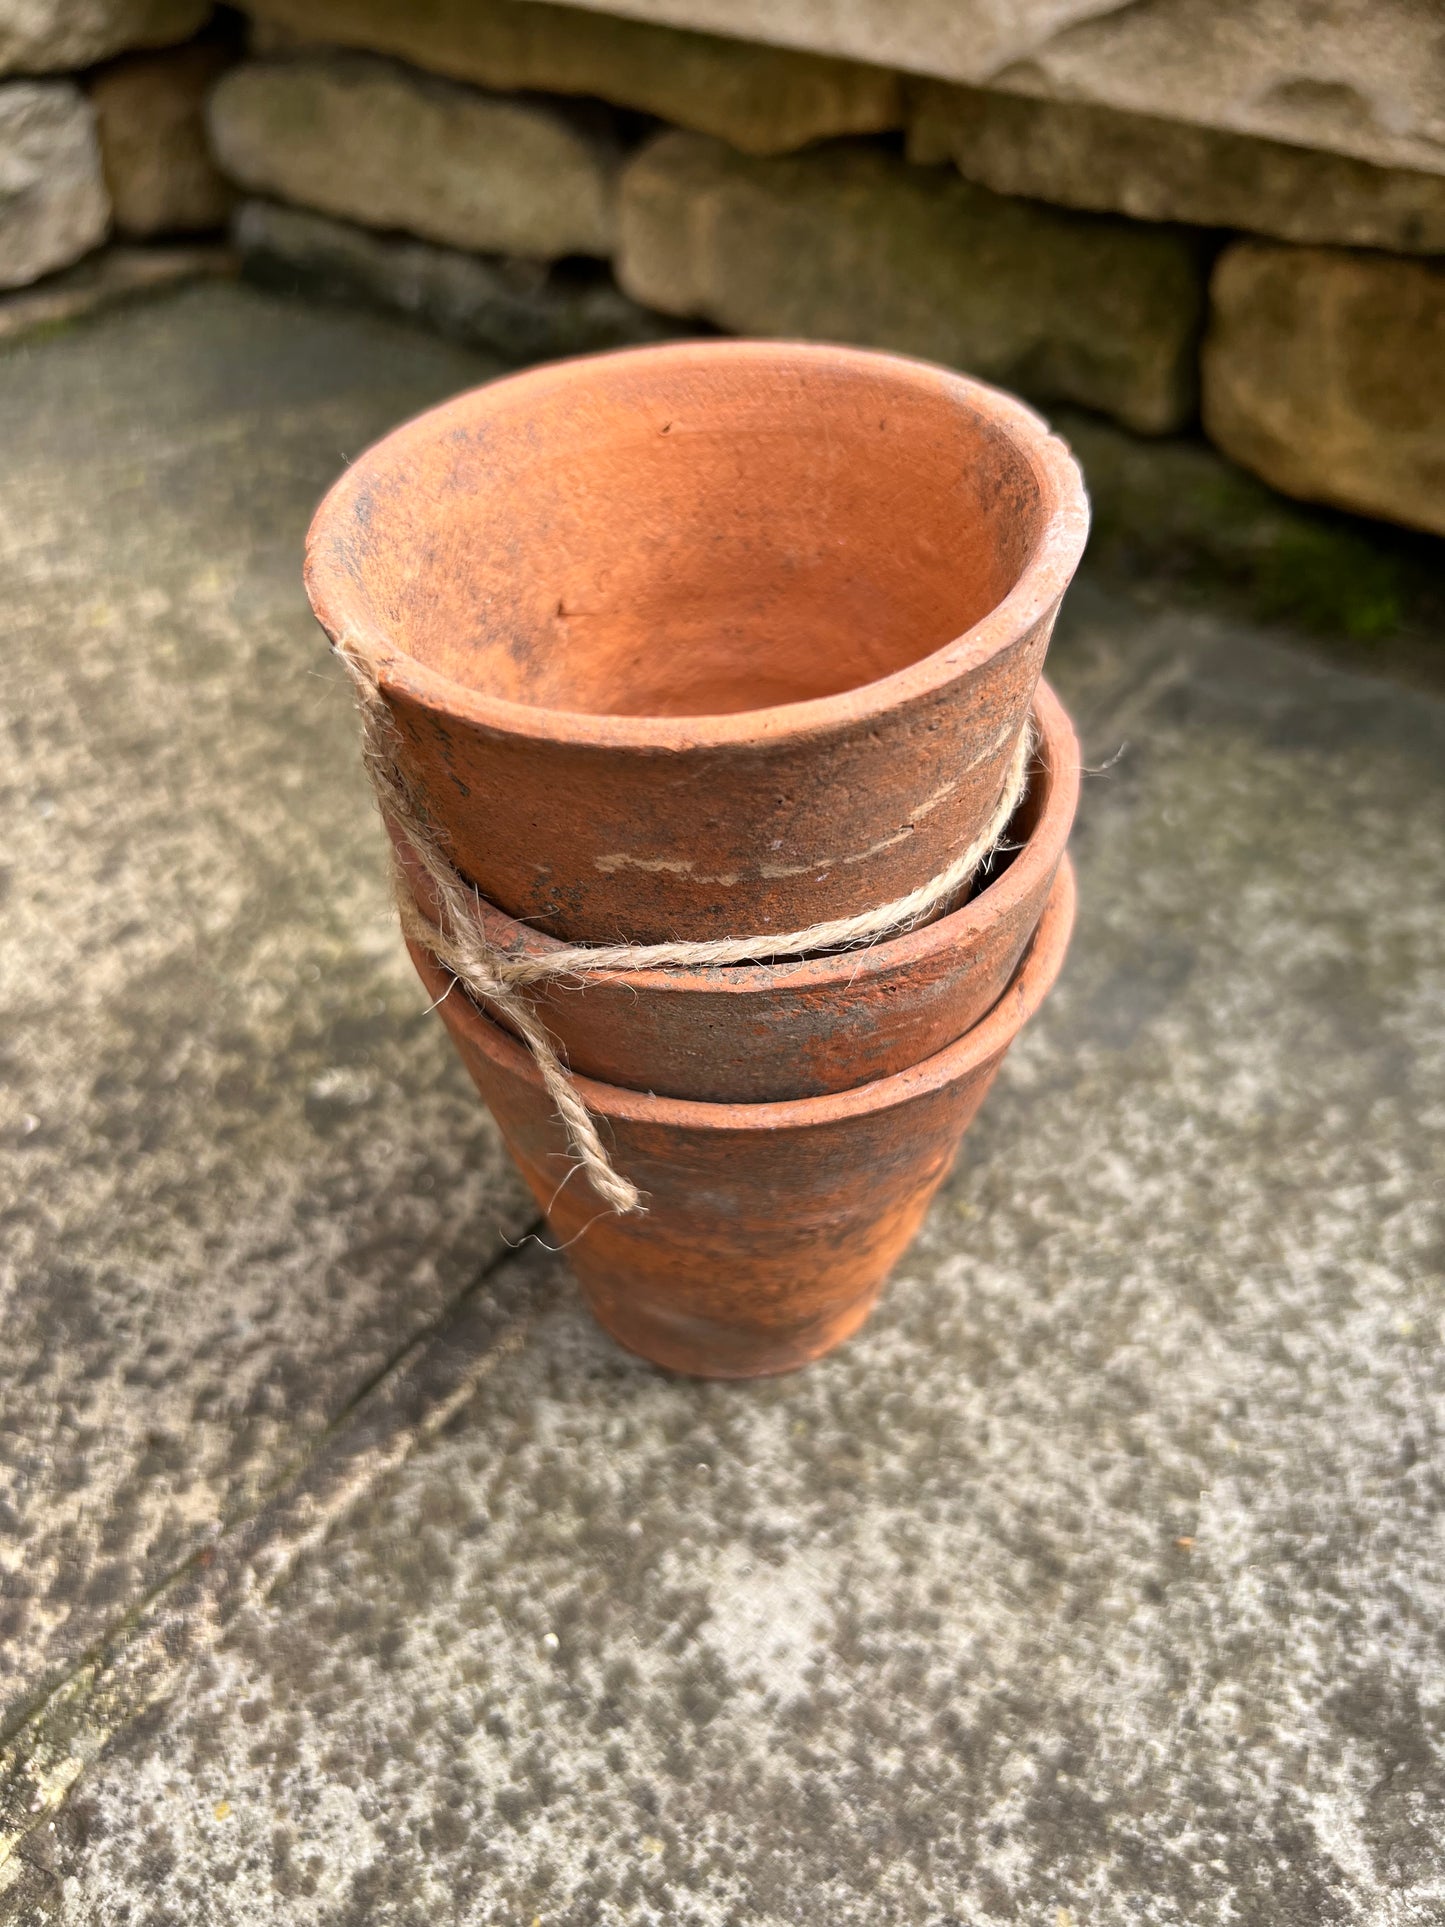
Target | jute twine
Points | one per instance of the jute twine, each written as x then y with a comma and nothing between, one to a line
488,973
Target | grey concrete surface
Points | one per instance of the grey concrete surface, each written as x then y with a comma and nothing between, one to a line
238,1172
1098,1580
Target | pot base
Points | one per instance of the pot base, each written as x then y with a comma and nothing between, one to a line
769,1228
678,1345
646,1318
768,1320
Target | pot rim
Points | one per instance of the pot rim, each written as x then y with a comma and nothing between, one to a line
989,1038
1058,752
338,602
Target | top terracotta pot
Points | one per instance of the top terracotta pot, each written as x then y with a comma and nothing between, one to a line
706,639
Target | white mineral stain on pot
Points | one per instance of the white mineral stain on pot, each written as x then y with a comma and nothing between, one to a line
667,865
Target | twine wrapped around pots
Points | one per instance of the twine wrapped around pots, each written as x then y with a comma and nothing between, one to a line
493,975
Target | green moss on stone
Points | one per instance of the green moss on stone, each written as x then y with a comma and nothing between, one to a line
1177,512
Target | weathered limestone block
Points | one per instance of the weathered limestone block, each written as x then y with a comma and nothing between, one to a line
150,114
1361,77
764,100
850,244
1324,372
1082,155
53,205
956,39
54,36
376,143
523,310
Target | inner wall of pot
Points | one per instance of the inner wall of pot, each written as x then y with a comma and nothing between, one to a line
691,540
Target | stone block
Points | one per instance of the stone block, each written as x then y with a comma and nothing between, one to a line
377,143
1082,155
53,205
761,99
956,39
1324,372
852,244
1360,77
54,36
522,310
149,111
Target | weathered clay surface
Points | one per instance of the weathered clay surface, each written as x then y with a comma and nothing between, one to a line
1080,154
852,244
769,1229
53,204
523,310
764,1032
238,1172
1324,372
1093,1582
761,99
1361,77
158,168
380,144
55,36
707,639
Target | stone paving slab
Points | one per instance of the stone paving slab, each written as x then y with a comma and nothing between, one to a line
107,279
1098,1580
240,1171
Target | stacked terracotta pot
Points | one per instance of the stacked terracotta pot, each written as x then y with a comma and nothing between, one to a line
714,640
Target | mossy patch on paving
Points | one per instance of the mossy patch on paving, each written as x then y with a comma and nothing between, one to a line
1177,518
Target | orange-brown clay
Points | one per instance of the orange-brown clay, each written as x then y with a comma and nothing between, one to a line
705,639
770,1228
760,1032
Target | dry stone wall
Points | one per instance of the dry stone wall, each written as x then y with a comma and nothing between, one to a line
1324,372
760,99
150,116
101,133
58,36
53,205
850,244
1175,213
524,310
1358,77
1083,155
379,143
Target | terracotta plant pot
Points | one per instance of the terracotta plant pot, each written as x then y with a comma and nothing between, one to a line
707,639
770,1228
759,1032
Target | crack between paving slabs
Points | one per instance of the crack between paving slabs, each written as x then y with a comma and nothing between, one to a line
144,1656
